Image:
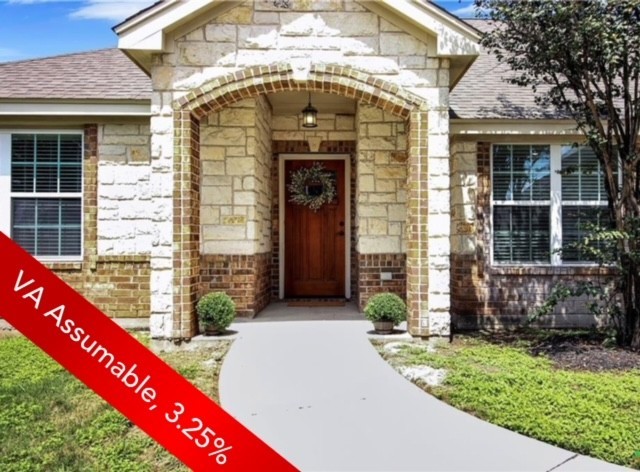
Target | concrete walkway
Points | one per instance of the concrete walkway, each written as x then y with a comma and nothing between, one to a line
319,394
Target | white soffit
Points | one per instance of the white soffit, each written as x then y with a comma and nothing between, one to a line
74,109
513,127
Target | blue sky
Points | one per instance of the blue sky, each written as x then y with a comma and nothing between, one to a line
39,28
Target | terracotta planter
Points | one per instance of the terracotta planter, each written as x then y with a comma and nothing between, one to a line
211,330
383,327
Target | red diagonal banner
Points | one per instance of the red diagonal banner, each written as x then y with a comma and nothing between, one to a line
124,372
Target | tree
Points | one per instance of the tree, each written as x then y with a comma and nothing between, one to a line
583,59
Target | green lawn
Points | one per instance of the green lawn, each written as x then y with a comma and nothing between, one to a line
49,421
596,414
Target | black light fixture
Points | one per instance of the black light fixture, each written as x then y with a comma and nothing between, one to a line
309,115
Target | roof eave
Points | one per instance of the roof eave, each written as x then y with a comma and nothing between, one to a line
60,107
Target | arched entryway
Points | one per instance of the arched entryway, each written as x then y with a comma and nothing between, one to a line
224,92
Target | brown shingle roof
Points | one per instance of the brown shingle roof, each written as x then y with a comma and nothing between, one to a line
106,74
109,74
483,91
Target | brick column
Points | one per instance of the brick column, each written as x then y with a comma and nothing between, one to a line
418,226
186,223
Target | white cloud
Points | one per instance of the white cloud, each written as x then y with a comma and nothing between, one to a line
469,11
30,2
465,12
115,10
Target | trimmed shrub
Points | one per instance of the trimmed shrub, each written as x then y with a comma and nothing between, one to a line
386,307
216,312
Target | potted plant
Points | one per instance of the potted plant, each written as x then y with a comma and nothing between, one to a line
216,312
385,310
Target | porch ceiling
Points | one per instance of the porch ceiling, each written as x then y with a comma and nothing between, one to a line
292,103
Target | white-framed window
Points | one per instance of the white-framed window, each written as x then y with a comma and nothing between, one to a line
41,192
542,196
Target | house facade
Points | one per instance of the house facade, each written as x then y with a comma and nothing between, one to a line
180,163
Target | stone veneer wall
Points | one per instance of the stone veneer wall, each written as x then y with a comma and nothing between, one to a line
486,296
235,210
335,134
125,224
382,203
256,48
236,185
113,276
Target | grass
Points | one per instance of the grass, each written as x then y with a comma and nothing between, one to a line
596,414
49,421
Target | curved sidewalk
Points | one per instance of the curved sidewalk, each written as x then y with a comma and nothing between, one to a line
318,393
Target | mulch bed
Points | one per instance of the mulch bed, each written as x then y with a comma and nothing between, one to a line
572,350
579,354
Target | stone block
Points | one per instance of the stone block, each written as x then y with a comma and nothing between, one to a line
244,198
210,168
223,136
244,117
413,62
221,33
382,198
367,114
379,129
377,226
237,151
383,185
438,146
195,35
401,44
285,123
379,245
372,211
212,153
139,154
241,166
398,172
204,54
342,136
378,143
345,122
269,18
398,213
216,195
258,37
241,15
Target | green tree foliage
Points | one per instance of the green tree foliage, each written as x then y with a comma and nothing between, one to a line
582,58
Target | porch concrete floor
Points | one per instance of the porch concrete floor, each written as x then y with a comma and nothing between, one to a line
319,394
280,311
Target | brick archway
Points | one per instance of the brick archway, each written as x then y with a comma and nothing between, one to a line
249,83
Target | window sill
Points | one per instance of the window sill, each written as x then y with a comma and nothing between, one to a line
62,265
548,270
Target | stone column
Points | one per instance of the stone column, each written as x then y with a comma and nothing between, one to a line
161,183
439,216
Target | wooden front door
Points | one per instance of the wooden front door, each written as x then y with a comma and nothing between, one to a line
315,240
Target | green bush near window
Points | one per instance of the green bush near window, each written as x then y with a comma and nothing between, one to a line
216,312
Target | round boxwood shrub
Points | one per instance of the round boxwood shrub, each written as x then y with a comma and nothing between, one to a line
216,312
386,307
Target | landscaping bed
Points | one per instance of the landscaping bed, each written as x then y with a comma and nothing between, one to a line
564,388
50,421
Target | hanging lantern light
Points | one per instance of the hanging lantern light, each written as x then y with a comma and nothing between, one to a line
309,115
